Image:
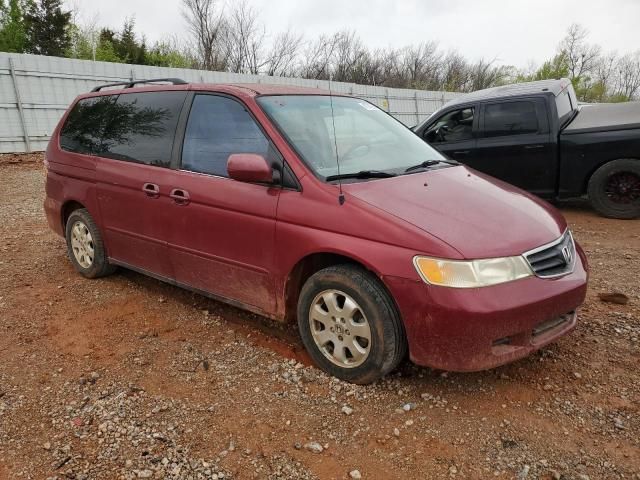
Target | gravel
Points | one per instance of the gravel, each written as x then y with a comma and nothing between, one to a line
126,377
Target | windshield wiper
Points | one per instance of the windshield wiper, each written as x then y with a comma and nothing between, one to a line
429,163
361,174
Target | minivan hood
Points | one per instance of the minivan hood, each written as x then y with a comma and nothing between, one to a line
478,215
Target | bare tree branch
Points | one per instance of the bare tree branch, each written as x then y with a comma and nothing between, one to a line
283,58
206,25
245,40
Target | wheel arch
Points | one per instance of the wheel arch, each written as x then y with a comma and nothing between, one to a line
68,207
314,262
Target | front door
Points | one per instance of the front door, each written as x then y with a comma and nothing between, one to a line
134,179
223,231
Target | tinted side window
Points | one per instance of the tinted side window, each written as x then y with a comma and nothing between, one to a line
452,127
218,127
142,127
81,132
511,118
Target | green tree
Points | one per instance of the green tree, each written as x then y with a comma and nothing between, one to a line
106,53
89,44
48,28
592,92
13,37
81,45
557,67
164,54
126,44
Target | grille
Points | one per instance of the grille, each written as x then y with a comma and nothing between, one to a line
554,259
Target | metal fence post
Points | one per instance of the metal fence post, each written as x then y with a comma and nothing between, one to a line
417,109
27,141
387,100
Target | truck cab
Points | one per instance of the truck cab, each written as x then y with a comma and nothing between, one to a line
525,135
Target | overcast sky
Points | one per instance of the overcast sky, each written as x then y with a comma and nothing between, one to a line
511,31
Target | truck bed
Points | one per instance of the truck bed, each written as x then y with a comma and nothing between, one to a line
605,117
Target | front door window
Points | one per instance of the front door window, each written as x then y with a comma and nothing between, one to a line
452,127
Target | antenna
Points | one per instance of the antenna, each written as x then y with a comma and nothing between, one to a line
335,142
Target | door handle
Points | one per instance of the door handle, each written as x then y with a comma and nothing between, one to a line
461,152
533,147
180,196
151,190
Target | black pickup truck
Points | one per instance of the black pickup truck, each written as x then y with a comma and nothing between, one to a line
536,136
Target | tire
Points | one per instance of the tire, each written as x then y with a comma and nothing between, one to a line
614,189
85,246
347,299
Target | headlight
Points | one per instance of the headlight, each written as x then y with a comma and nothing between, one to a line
473,273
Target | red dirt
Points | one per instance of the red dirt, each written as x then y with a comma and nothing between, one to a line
204,375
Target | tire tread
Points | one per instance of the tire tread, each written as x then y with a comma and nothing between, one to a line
100,266
395,344
595,189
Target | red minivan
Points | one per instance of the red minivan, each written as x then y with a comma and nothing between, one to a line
301,205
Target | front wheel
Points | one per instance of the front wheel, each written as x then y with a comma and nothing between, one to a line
614,189
349,324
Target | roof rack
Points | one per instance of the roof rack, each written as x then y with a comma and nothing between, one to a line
130,84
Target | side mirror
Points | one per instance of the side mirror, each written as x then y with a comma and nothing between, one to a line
249,167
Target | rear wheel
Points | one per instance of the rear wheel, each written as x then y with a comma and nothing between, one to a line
349,324
614,189
85,246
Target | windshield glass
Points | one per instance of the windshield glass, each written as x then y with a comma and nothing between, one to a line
366,137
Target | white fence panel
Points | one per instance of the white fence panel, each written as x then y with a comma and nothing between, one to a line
36,90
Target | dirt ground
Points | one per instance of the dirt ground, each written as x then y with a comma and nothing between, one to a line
126,377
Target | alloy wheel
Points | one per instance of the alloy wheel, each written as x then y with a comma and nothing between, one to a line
623,187
82,244
340,328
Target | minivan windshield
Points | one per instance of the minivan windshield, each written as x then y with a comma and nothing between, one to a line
367,138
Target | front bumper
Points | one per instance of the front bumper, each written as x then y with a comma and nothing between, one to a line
477,329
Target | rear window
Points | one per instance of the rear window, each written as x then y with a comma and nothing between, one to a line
135,127
565,105
510,118
142,126
81,132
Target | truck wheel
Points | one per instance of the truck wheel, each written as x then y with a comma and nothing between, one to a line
85,246
614,189
349,324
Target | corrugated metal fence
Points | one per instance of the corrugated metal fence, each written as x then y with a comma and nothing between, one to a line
36,90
